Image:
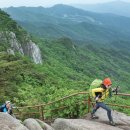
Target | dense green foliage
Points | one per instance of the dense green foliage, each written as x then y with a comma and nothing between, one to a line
69,68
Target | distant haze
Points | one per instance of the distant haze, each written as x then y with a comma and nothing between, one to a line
116,7
46,3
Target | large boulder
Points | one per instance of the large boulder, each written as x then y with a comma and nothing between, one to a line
44,125
121,119
33,124
122,122
118,117
7,122
80,124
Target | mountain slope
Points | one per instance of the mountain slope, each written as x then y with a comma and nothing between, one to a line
17,55
66,21
67,68
115,7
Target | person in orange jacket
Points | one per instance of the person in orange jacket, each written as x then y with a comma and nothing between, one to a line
99,95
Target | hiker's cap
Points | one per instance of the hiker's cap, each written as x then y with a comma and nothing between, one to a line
7,102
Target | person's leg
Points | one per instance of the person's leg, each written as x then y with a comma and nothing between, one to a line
101,104
94,109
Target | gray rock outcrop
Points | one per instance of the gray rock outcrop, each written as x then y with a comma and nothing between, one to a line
32,124
122,122
14,44
28,48
81,124
121,119
33,51
44,125
7,122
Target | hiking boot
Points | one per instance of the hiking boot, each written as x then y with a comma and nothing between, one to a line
112,123
94,116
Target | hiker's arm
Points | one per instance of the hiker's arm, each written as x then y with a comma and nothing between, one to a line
10,111
96,90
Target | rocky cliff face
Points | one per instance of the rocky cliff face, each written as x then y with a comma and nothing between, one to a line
32,50
28,48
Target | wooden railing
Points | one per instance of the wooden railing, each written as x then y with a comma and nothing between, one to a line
38,111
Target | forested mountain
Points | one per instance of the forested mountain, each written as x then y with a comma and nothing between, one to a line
117,7
79,25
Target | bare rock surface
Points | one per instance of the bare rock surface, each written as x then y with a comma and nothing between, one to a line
122,122
81,124
7,122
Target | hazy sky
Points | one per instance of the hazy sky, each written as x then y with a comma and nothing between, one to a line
46,3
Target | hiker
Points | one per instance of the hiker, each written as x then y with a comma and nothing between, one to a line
6,108
99,95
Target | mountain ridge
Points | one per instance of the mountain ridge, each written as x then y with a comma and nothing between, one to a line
115,7
73,23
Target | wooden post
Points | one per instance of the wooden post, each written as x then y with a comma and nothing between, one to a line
41,113
89,100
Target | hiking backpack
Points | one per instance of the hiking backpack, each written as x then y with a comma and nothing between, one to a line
95,84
